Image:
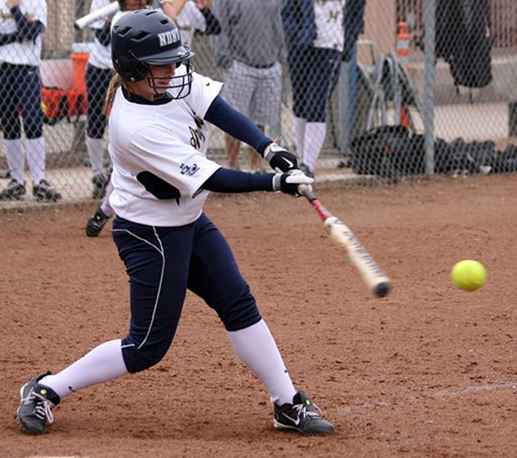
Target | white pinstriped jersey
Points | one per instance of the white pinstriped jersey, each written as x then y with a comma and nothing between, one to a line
28,52
168,141
328,15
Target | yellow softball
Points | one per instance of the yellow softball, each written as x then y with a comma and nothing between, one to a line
468,275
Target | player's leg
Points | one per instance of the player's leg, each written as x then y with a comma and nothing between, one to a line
102,214
97,82
237,91
255,161
233,147
157,262
214,276
11,127
29,91
266,104
296,75
320,74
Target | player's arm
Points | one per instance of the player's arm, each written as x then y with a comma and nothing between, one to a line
224,116
172,8
168,169
235,181
211,24
103,34
28,29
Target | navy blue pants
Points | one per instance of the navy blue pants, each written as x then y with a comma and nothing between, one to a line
162,263
20,93
313,73
97,82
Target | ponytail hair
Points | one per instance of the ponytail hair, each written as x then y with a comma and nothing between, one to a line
115,83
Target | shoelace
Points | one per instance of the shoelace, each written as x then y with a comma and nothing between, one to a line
42,407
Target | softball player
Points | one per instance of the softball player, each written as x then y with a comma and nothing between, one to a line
22,23
315,42
192,16
98,75
161,179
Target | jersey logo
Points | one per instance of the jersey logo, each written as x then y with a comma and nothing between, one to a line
189,170
196,134
168,38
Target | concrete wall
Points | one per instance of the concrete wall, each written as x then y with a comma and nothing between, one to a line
380,28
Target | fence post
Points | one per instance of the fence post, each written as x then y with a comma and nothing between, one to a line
430,76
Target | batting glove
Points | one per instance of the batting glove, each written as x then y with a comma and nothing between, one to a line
279,158
289,182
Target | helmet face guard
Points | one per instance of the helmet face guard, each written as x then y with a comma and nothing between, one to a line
146,38
178,86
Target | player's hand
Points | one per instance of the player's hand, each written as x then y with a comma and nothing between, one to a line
279,158
289,182
12,3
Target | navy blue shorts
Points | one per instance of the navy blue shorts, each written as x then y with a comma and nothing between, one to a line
162,263
20,94
313,73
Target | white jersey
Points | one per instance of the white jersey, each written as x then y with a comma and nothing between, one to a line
28,52
189,20
329,24
168,141
100,56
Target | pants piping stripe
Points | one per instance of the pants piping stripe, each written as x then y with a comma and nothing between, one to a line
140,238
160,250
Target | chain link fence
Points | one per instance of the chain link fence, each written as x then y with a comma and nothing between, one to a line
377,89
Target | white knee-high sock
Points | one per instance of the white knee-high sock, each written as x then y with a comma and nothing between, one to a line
299,136
95,146
102,364
36,158
314,139
256,348
15,158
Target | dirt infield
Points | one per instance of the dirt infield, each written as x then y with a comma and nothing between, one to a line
428,371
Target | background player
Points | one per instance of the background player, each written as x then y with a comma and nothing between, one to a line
251,50
161,180
315,40
22,22
98,76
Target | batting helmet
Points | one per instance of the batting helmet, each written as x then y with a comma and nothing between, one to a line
143,38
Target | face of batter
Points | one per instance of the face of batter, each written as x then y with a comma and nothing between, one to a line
131,5
155,84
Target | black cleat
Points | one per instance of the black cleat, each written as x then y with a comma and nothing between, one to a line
99,186
13,191
96,223
302,416
36,404
44,192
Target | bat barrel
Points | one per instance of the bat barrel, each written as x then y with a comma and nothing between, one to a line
382,289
